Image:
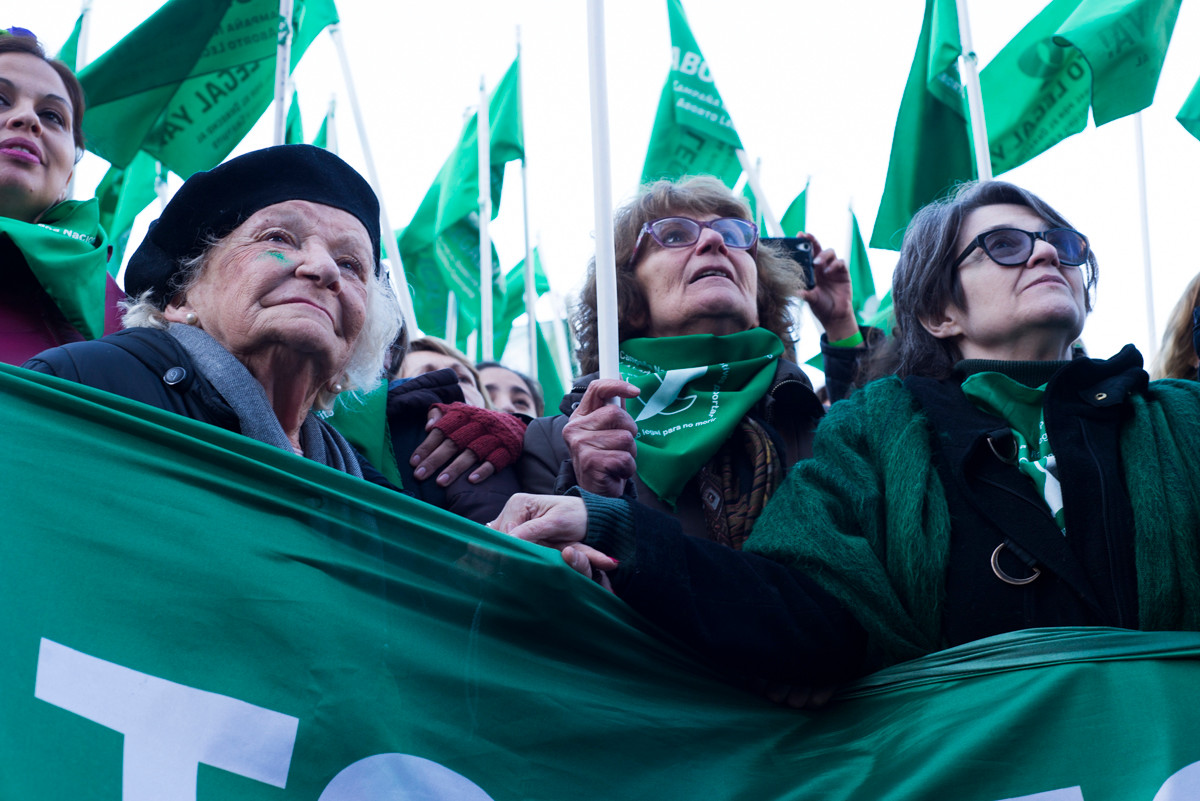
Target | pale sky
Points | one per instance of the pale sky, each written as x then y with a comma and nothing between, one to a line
813,89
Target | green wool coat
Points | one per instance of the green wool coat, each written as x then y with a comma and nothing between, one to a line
867,517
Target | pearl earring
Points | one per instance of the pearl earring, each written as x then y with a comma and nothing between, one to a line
190,318
337,388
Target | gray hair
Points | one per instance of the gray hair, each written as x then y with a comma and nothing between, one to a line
382,324
924,284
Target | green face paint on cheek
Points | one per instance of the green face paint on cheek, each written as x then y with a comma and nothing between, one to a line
279,257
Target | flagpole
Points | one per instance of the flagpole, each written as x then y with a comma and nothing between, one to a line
283,60
606,259
452,318
485,216
1140,146
530,288
760,199
81,45
968,71
331,127
80,63
399,281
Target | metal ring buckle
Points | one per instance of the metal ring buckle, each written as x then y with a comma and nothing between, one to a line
1007,579
991,441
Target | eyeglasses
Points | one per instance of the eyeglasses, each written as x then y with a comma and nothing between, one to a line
681,232
1011,247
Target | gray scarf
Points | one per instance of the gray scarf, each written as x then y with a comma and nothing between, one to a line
257,419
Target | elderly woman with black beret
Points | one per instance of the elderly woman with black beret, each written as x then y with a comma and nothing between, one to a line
255,298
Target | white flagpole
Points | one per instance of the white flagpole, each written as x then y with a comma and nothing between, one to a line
968,72
399,282
485,217
606,259
452,319
331,127
530,288
283,60
760,198
80,62
1140,145
85,16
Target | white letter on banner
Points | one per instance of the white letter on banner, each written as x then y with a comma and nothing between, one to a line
1183,785
400,777
170,729
1065,794
691,63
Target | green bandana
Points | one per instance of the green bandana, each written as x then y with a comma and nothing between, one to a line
695,389
1021,407
67,251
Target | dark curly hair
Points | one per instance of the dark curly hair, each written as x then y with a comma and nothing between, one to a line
778,280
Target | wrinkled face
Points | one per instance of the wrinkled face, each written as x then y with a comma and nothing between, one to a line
37,148
508,391
292,276
704,288
1039,304
418,362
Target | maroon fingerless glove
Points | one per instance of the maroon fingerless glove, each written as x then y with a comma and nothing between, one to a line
493,436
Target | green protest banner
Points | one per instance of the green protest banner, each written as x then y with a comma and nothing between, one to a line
693,133
1074,56
188,83
192,615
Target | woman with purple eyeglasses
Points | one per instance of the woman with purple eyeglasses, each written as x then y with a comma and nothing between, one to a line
998,482
716,409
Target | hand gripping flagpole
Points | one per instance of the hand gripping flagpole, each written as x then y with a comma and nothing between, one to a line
399,282
606,260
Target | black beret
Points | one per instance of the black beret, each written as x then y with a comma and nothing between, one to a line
213,203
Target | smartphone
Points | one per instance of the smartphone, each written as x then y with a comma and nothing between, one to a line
799,250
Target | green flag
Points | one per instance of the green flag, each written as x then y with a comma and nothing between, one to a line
861,279
200,616
455,252
1189,115
692,133
123,193
294,129
884,317
439,256
188,83
510,304
322,138
69,54
1075,54
549,375
793,220
931,148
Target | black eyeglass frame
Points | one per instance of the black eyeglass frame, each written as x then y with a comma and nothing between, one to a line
648,228
1034,236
